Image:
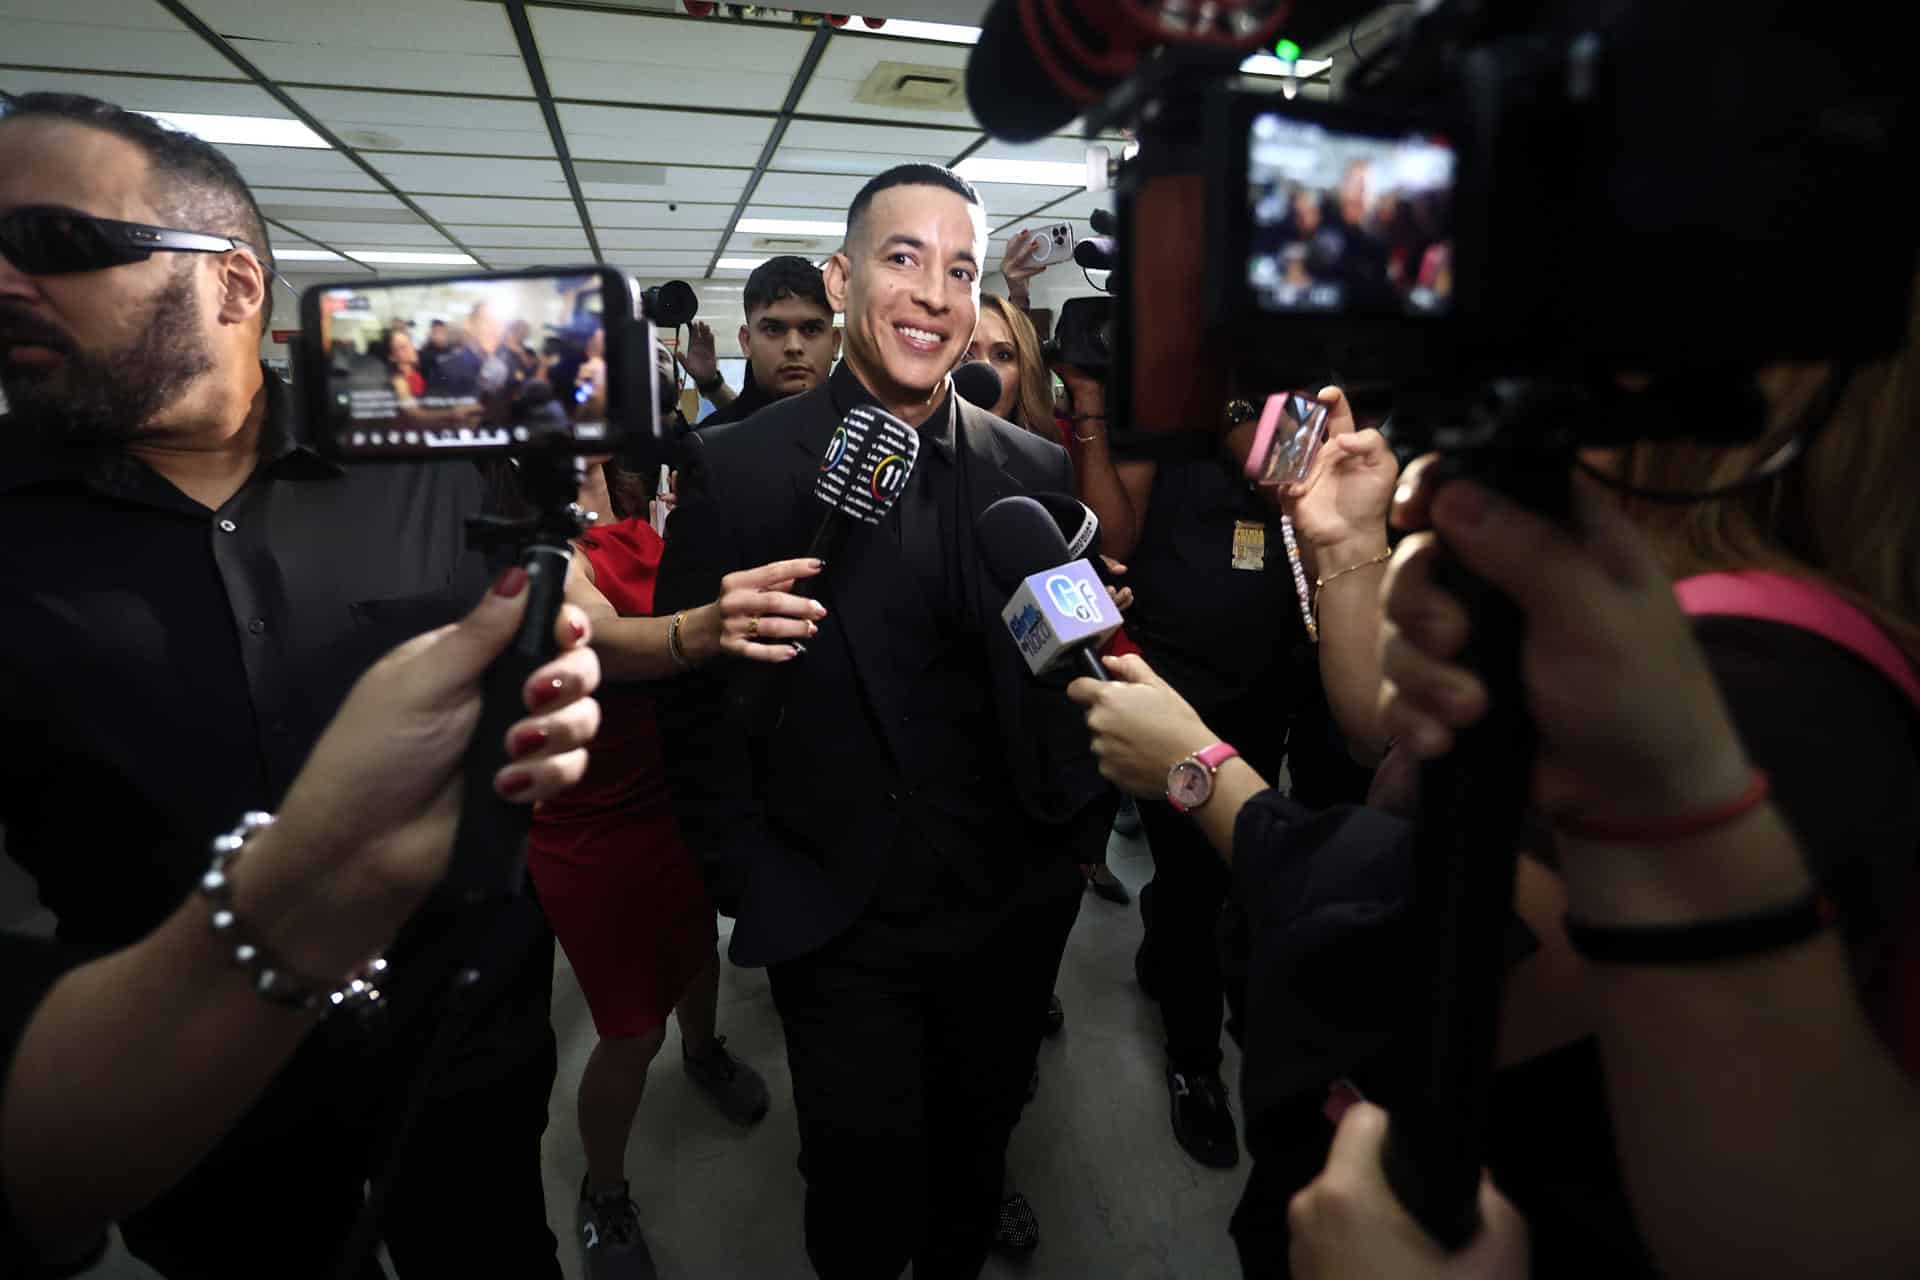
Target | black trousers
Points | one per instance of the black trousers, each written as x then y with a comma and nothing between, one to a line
280,1195
910,1054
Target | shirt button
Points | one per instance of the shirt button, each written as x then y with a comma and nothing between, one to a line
257,625
228,526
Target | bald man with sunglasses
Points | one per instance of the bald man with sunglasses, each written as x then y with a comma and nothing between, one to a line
187,592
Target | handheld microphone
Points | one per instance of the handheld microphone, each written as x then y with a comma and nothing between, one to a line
1078,526
863,472
1058,611
977,383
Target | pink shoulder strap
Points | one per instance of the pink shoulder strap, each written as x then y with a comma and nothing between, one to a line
1776,597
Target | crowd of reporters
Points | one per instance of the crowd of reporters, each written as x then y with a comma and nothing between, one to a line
1746,1112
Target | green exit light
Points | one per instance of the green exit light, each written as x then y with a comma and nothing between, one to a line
1287,51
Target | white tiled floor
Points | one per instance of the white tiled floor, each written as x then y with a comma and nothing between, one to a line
1116,1198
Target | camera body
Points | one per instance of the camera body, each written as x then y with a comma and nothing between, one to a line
1083,335
557,362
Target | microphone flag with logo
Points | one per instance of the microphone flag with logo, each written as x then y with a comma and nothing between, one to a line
866,465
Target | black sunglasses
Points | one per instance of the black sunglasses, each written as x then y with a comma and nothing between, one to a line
55,242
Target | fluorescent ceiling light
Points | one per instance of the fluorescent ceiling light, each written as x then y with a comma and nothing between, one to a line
790,227
738,264
1038,173
409,258
249,131
305,255
945,32
1265,64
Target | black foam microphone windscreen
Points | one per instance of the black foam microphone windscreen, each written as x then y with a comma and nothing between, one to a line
1008,88
1018,537
1078,526
977,384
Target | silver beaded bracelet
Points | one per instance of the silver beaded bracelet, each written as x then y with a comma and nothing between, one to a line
269,978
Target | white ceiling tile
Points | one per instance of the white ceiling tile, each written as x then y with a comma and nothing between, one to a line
375,234
850,58
342,203
103,35
864,149
451,45
678,182
664,137
485,238
464,175
630,58
528,258
696,241
1006,200
1081,204
298,167
1055,150
140,93
811,189
418,122
475,210
607,214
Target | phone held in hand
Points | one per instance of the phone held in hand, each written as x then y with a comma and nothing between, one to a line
1055,244
1293,426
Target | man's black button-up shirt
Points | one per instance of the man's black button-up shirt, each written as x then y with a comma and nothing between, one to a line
164,667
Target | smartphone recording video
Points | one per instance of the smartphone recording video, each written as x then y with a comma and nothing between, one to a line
1292,428
477,365
1347,222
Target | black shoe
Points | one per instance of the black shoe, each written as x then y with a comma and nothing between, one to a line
1056,1016
1016,1230
1202,1121
611,1246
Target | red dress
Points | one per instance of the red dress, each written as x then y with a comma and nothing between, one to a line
620,886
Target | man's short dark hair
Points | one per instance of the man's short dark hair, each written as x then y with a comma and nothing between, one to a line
786,276
195,186
907,175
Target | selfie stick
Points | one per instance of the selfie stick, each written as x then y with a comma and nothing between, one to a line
1473,807
489,851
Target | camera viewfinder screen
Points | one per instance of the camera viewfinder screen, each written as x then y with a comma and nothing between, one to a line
464,364
1348,223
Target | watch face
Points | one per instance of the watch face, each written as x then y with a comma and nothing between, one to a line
1189,785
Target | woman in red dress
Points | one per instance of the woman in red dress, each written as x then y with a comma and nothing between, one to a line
622,890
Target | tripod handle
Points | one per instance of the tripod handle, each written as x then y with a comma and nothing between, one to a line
489,849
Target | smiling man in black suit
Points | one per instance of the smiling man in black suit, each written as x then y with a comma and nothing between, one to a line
894,846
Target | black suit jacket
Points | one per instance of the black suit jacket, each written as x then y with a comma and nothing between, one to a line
792,822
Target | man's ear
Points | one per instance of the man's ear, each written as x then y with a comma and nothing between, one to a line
836,274
243,284
745,333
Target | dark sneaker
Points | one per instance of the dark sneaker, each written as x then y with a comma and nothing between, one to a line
1126,822
1016,1230
1202,1121
1056,1016
735,1087
611,1246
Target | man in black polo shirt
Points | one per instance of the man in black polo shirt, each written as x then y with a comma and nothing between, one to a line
890,825
788,339
1216,612
186,594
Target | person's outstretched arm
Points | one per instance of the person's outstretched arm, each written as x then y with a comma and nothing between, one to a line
133,1065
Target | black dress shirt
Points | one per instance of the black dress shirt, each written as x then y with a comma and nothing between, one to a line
164,667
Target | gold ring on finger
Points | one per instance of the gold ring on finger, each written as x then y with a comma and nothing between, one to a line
753,627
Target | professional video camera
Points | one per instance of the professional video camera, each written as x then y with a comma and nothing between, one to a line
584,381
1537,225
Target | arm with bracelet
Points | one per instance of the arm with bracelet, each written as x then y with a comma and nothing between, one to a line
1762,1125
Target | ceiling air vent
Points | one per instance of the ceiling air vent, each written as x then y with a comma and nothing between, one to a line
789,244
918,88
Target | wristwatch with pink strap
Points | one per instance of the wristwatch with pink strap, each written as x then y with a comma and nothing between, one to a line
1190,783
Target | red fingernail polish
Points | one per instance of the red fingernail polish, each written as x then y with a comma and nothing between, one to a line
547,692
511,583
513,784
527,740
577,629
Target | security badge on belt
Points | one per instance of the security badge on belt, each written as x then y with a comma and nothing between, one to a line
1249,545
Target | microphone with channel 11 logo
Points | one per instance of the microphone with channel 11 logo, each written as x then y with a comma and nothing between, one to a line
1058,611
